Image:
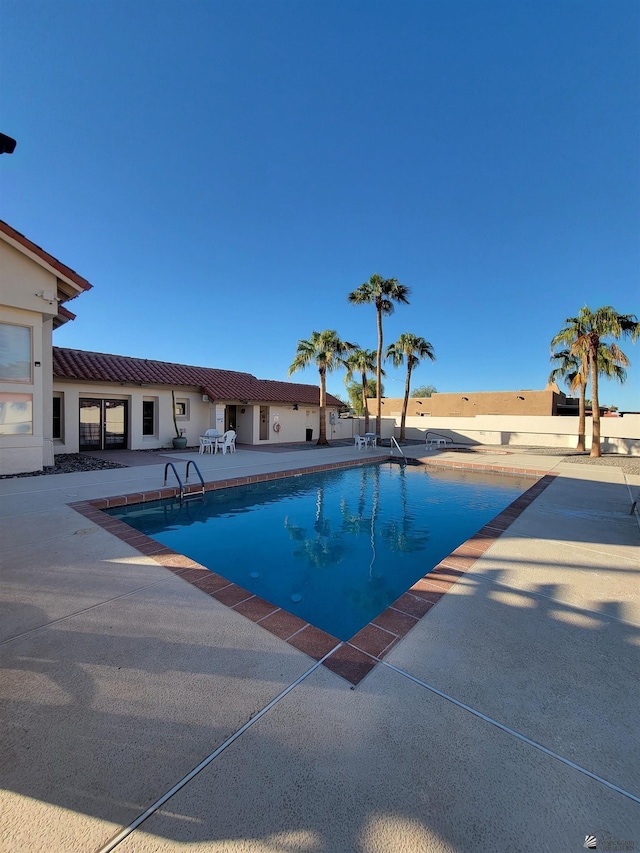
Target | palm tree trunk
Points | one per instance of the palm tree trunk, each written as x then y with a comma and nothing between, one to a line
407,385
581,416
365,390
379,371
595,405
322,439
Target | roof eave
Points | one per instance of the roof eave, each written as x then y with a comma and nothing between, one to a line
75,284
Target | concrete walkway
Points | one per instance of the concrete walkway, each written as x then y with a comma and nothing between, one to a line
506,720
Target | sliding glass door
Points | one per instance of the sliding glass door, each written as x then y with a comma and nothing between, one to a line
103,424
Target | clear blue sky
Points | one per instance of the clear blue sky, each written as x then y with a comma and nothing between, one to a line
224,173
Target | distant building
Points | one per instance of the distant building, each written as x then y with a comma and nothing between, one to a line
469,404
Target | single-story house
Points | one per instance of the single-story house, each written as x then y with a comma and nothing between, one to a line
55,400
103,401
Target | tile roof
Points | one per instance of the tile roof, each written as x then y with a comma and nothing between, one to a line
217,384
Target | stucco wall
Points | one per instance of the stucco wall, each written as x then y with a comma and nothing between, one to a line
23,452
194,424
201,416
22,279
621,435
472,404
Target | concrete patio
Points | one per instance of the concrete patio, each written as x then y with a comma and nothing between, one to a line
505,720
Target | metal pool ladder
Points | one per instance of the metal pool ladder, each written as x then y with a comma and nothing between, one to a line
187,496
393,441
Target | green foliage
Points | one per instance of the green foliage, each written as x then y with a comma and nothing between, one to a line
354,390
409,349
381,292
583,336
327,352
173,405
424,391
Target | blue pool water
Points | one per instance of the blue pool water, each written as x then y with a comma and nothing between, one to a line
335,548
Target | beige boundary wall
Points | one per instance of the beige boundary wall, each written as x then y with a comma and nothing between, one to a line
619,435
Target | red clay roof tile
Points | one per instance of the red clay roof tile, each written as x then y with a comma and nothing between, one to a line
217,384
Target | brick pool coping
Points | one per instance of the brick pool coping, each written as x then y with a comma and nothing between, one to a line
353,659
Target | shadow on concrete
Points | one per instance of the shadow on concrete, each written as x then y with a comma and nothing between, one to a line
333,769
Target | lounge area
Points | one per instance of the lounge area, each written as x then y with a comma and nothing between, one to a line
124,676
213,441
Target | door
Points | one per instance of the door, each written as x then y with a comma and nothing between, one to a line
264,423
103,424
231,418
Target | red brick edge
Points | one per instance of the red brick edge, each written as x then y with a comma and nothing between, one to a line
354,659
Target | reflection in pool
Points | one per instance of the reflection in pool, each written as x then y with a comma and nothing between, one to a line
337,547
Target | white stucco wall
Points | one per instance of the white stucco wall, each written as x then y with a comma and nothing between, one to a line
194,424
621,435
201,416
20,282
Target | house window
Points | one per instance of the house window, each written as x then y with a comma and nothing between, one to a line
16,414
182,409
149,417
56,431
15,353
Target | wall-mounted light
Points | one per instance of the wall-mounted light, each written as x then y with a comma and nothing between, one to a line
466,398
519,397
295,407
419,402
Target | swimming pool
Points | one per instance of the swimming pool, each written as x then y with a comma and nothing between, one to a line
334,548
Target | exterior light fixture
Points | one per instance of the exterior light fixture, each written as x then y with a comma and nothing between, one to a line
519,397
466,398
7,144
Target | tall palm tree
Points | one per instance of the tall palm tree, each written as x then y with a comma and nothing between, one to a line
412,349
361,361
575,372
604,322
327,351
381,292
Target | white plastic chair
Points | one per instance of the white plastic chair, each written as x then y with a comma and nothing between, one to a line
436,443
226,442
208,440
360,442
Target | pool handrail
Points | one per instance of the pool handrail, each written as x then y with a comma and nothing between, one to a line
180,484
393,441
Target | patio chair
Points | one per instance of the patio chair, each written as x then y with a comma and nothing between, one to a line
360,442
436,443
226,442
208,440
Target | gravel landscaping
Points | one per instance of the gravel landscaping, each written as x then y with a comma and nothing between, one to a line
70,463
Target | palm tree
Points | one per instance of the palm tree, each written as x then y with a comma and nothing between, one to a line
381,292
412,349
361,361
574,370
592,326
326,351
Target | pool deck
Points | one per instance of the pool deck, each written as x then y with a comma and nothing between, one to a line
506,719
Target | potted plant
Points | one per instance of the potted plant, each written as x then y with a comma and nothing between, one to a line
180,441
